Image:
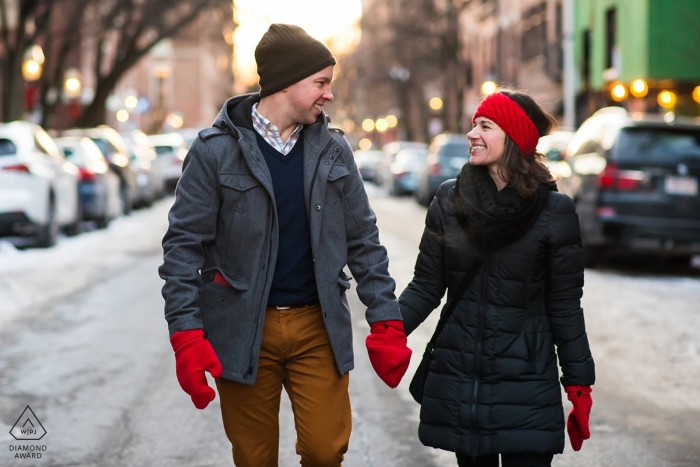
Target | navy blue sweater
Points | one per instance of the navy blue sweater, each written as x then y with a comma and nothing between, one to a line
294,282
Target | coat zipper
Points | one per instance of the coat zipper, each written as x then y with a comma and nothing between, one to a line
477,359
257,320
267,272
308,218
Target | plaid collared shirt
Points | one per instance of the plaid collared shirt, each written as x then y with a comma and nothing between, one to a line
271,134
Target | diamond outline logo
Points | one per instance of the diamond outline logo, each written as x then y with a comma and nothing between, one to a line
29,428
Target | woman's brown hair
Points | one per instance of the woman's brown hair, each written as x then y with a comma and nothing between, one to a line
523,173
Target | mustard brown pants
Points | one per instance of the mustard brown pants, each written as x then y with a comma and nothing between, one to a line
295,354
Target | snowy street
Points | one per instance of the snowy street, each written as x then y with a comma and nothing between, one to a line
84,343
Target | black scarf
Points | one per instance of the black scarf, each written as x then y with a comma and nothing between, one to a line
492,218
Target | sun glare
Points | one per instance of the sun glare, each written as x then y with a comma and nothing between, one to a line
334,22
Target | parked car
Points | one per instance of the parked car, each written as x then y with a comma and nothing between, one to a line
634,180
188,134
367,161
38,187
405,171
553,146
150,183
390,150
98,185
171,150
117,154
446,156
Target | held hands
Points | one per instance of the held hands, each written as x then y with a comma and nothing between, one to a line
194,355
388,353
577,423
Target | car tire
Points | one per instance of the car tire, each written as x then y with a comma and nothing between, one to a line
591,255
422,198
48,233
126,201
76,228
102,222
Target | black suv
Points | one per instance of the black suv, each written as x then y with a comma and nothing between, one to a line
634,179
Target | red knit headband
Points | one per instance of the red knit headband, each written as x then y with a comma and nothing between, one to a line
512,119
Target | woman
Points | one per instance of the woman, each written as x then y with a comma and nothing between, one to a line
493,384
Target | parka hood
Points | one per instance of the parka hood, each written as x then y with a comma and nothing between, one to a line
236,115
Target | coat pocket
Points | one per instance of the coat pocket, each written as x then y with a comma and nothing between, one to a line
337,172
343,284
239,182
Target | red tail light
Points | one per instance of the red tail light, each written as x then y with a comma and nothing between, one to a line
606,179
435,169
86,175
622,180
17,168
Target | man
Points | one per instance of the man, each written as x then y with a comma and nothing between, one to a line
269,210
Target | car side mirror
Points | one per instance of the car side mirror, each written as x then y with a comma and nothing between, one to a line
554,155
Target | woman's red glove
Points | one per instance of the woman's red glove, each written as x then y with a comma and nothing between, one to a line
388,353
194,355
577,423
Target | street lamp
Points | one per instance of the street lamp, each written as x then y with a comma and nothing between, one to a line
435,103
639,88
667,99
72,87
696,94
488,88
365,144
31,72
618,92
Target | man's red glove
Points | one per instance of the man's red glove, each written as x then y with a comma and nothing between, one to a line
388,353
193,355
577,423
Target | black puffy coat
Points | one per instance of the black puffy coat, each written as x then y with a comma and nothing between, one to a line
493,385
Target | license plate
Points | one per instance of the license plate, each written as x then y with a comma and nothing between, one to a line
686,186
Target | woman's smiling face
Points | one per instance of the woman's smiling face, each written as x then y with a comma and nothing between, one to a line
487,143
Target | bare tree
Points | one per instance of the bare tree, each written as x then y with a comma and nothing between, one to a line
21,23
136,26
413,44
120,32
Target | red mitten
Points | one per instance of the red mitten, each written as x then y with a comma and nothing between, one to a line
388,353
194,355
577,423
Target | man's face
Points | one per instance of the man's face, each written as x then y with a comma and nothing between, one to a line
307,97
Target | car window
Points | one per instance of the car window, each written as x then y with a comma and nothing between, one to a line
45,144
451,150
103,145
74,155
7,147
657,145
410,157
164,150
586,139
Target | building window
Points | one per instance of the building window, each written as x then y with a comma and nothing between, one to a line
610,26
559,33
586,66
534,23
469,72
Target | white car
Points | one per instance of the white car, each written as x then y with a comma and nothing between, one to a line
38,187
171,149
